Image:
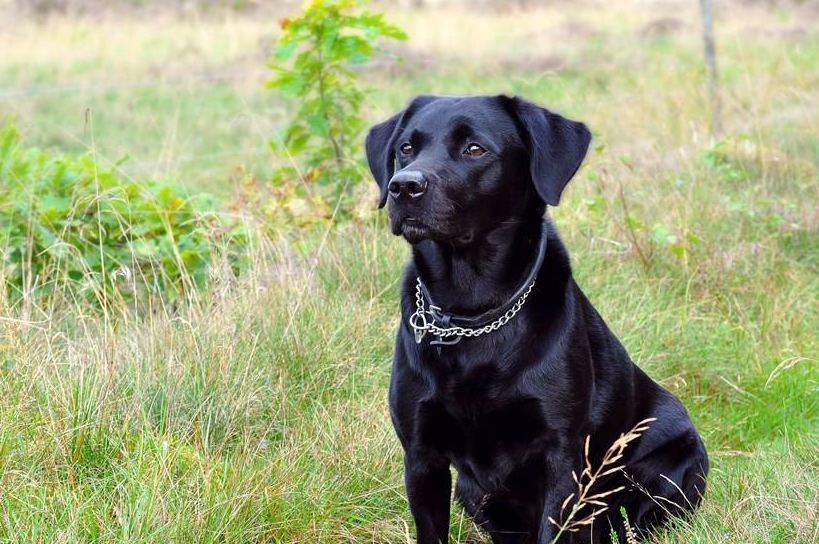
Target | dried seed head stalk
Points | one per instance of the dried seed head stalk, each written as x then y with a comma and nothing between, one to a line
594,503
631,535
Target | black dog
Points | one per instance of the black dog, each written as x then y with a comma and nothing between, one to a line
510,368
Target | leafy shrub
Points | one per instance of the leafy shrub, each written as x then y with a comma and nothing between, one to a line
67,223
314,61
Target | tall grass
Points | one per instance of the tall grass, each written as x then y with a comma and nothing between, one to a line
256,411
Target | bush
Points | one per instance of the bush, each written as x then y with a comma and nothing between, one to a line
68,224
314,63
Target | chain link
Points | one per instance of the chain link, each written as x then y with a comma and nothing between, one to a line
421,324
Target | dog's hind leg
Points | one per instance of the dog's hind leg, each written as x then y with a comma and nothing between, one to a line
668,482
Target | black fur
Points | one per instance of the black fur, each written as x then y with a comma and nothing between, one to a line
511,410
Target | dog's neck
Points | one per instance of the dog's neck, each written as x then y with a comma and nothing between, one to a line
483,275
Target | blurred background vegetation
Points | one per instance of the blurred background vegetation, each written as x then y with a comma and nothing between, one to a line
199,298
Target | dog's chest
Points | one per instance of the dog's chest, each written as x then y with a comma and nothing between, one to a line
484,437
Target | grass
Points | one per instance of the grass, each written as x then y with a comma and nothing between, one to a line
258,412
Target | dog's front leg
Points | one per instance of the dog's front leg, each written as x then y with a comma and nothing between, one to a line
562,485
428,488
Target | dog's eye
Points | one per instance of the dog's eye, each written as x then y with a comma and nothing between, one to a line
406,148
474,150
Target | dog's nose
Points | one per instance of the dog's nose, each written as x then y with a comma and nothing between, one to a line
411,183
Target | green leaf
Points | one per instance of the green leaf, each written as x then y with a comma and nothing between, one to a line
296,145
318,123
679,250
634,223
661,235
693,239
285,50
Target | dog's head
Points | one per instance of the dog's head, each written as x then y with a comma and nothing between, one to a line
452,167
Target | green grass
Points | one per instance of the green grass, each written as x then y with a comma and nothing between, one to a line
258,413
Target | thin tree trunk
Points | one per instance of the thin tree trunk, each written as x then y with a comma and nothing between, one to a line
711,65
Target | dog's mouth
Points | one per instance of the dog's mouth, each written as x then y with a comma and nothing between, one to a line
412,229
415,230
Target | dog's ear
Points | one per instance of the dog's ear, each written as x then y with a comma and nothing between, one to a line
381,140
556,146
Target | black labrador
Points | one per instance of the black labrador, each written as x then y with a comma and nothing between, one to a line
502,366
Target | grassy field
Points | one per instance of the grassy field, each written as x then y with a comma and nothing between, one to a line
258,413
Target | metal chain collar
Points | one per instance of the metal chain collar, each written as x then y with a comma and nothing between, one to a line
423,321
